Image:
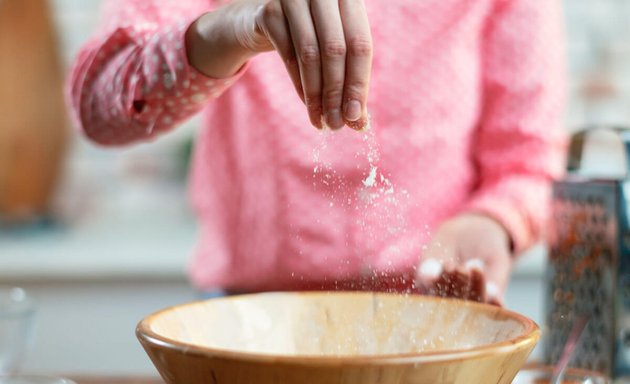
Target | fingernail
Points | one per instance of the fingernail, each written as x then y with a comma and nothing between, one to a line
333,119
477,264
319,123
431,269
352,110
492,290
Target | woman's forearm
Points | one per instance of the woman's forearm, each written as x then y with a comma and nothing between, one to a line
213,44
133,82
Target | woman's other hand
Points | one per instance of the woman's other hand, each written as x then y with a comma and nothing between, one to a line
326,46
469,257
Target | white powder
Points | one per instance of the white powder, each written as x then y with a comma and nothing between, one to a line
371,179
374,179
378,205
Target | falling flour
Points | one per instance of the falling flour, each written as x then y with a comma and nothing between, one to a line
374,179
377,204
371,179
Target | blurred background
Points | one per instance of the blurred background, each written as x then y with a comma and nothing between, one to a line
115,242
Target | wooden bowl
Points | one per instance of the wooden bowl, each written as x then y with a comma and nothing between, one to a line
337,338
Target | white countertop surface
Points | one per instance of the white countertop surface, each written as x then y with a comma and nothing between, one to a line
142,248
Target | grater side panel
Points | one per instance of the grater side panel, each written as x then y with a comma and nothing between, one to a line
622,295
581,272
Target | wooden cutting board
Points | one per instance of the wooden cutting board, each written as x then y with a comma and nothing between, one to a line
32,110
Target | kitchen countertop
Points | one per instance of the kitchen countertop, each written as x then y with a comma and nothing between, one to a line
143,247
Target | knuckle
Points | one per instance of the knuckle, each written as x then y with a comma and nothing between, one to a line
356,89
332,97
334,49
309,54
360,47
272,11
291,61
312,100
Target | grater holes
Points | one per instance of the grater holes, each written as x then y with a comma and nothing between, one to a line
580,258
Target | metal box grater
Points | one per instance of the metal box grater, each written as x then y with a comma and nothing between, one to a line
589,266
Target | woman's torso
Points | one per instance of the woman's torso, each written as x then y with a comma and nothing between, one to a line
282,204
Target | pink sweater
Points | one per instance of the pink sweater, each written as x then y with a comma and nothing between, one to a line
466,104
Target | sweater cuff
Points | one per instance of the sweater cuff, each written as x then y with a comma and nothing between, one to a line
508,214
171,83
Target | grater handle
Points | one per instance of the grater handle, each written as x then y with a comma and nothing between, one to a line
578,139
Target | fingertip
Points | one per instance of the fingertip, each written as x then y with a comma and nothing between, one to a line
334,119
316,122
492,289
493,294
359,125
319,124
474,264
315,117
430,269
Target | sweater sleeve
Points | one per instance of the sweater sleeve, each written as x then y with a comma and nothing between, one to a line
133,81
520,141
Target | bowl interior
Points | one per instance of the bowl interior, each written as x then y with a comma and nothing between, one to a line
336,324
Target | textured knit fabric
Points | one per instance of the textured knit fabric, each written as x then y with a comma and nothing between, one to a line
466,109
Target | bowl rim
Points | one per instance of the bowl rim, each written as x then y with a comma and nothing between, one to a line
529,336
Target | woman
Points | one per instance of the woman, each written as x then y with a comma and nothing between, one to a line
465,99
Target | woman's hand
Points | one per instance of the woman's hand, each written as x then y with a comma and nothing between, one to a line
469,258
326,46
